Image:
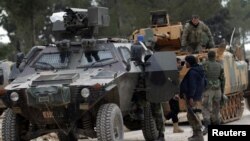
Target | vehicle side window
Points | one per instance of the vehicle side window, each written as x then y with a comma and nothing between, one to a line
1,77
125,53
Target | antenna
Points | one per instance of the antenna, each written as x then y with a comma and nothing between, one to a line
231,39
168,21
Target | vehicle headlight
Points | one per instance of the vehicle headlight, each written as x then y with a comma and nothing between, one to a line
85,92
14,96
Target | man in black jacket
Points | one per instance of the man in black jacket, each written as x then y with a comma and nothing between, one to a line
192,87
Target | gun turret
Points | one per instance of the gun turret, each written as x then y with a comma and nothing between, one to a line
80,22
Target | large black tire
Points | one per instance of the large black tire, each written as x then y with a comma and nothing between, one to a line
63,137
149,128
132,124
13,126
109,123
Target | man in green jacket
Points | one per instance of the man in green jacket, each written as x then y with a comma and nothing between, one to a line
193,38
215,87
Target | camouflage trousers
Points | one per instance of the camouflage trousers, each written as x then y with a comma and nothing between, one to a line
194,48
157,112
193,115
211,105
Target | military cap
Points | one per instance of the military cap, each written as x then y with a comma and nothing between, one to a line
194,16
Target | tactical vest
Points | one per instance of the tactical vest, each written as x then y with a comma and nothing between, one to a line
195,34
213,70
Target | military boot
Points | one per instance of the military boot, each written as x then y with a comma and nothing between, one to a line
206,123
197,136
161,137
176,128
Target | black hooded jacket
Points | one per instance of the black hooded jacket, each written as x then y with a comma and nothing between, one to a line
193,83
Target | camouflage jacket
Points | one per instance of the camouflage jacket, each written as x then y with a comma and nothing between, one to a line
195,34
215,74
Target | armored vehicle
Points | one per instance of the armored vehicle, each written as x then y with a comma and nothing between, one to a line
164,36
247,94
5,68
86,86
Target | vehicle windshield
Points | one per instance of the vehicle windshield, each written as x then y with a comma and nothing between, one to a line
96,58
1,77
52,61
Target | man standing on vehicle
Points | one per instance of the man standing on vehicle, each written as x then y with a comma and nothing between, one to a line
192,38
212,96
191,88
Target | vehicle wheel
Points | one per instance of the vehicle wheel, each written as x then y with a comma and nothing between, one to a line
13,126
149,128
109,124
132,124
63,137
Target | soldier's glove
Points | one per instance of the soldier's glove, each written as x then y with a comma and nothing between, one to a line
223,100
191,102
211,44
176,97
181,95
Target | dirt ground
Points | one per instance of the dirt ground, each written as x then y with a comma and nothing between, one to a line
170,136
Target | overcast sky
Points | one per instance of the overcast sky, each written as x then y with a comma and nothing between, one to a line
3,37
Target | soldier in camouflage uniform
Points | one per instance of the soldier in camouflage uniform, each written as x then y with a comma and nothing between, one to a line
192,38
156,108
212,96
